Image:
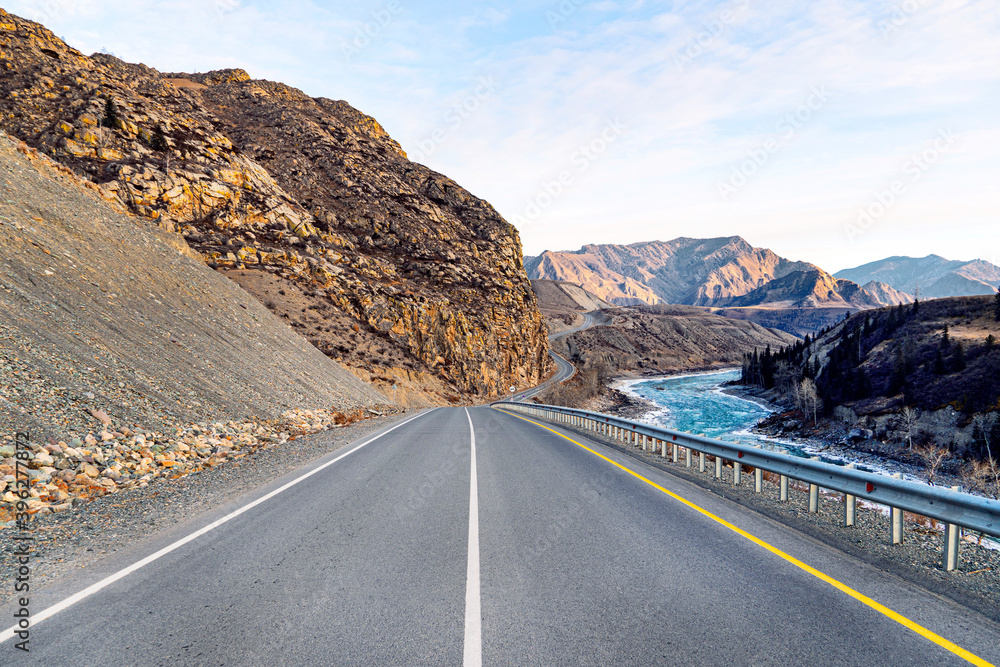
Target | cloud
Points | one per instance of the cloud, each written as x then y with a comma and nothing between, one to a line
701,87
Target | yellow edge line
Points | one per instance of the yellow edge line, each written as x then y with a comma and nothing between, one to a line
882,609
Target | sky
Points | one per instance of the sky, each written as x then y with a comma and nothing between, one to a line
836,132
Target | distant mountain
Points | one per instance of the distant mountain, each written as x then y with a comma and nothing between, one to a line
700,272
933,275
886,295
813,288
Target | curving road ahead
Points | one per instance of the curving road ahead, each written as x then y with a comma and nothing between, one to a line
478,537
564,369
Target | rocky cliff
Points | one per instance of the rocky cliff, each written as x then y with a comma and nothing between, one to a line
393,269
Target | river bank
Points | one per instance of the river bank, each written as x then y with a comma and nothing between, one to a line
705,402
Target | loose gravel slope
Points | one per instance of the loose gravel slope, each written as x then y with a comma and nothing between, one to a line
98,312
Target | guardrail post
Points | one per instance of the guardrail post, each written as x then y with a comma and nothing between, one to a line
952,540
758,480
674,452
701,462
718,467
687,456
783,488
644,443
850,505
737,473
813,493
896,516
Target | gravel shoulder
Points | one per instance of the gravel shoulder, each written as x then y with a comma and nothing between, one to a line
79,537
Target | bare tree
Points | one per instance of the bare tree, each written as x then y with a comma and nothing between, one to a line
983,476
909,419
810,398
933,456
980,426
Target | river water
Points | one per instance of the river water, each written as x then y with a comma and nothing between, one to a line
696,404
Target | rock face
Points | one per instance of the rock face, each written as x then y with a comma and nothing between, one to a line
699,272
933,275
305,198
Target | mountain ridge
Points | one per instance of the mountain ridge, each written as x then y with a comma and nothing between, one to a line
687,271
933,276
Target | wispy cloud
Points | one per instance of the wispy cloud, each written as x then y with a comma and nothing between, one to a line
896,76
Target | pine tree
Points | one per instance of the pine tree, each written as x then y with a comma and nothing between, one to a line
111,118
996,307
939,368
945,339
990,342
959,357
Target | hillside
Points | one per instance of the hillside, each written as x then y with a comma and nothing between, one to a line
555,294
934,276
939,359
666,339
563,303
104,322
395,270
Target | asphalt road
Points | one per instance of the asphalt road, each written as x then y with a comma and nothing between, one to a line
368,561
564,369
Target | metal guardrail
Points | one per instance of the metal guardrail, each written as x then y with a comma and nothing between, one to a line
954,508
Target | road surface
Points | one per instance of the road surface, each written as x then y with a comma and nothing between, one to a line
478,537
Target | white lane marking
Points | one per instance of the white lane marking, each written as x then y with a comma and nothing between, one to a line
473,609
121,574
